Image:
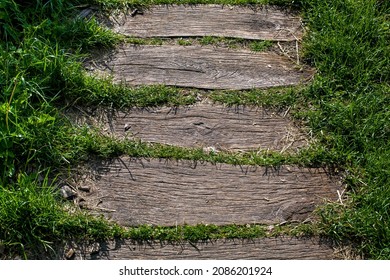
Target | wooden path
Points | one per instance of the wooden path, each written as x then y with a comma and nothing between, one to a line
135,191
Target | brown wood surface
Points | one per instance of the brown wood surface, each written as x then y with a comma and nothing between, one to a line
210,126
168,192
200,67
265,23
280,248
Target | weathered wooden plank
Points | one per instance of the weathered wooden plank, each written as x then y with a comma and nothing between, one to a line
266,23
201,67
280,248
167,192
210,126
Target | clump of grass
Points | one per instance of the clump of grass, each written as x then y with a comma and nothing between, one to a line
202,232
184,42
93,143
208,40
260,46
232,43
94,91
143,41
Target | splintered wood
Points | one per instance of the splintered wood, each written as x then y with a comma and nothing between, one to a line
168,192
199,67
266,23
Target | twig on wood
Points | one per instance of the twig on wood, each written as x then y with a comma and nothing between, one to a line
340,196
296,44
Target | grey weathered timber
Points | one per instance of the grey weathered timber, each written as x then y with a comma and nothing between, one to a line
266,23
205,125
200,67
280,248
168,192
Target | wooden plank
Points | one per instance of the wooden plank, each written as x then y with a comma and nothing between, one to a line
280,248
201,67
210,126
267,23
168,192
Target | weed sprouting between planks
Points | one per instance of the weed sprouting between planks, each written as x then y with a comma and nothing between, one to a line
93,144
232,43
203,232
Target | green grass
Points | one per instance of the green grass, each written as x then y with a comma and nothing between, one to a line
93,143
350,101
143,41
123,4
32,220
92,91
201,232
232,43
260,46
346,108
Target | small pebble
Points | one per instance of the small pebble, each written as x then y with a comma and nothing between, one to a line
83,204
84,188
67,192
270,228
136,12
210,150
127,127
87,13
70,254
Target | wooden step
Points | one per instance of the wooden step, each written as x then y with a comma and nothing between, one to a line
262,23
168,192
199,67
280,248
210,126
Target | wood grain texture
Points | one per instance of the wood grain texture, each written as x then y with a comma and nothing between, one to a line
205,125
267,23
167,192
199,67
280,248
